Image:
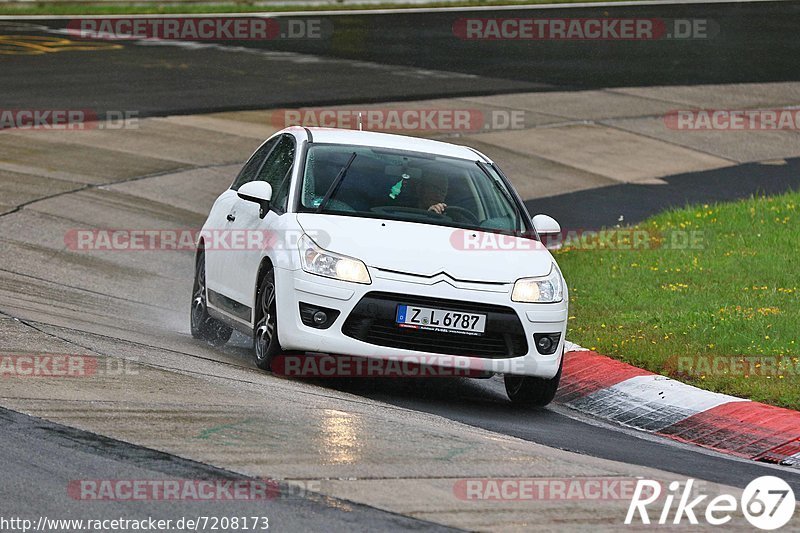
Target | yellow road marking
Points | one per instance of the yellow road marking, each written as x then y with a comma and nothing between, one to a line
30,45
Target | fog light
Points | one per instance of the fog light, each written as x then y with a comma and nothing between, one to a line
317,317
546,343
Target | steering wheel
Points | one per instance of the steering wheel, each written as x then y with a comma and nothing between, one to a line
396,209
462,213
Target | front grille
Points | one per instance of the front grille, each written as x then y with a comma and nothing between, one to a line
373,320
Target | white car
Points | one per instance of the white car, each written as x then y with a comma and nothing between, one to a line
383,246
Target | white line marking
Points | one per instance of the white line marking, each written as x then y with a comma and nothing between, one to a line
650,403
669,392
572,347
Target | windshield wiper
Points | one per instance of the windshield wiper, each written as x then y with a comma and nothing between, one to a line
336,182
505,194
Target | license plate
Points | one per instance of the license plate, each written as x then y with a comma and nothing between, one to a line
409,316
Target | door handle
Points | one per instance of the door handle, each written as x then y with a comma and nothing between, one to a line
231,217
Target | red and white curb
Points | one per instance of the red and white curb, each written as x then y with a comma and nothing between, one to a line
618,392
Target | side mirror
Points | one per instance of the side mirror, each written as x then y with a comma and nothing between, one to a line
259,192
549,230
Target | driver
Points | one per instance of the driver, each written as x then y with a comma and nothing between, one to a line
427,192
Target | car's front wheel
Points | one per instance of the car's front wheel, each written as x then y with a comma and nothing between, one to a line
265,333
203,326
531,391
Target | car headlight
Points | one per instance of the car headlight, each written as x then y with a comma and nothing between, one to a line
545,289
315,260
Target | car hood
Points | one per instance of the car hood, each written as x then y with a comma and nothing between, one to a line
427,250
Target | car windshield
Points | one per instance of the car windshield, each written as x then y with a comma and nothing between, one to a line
410,186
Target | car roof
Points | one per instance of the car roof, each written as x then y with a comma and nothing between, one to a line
386,140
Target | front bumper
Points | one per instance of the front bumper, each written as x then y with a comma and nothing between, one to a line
507,319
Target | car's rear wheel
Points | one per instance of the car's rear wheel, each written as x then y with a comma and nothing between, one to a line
203,326
531,391
265,333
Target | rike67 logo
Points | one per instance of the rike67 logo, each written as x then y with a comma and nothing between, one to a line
768,503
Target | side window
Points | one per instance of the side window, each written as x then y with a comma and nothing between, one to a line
277,169
250,169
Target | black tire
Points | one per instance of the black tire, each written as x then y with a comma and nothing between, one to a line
265,332
203,326
530,391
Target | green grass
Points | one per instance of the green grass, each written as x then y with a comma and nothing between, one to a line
731,296
132,8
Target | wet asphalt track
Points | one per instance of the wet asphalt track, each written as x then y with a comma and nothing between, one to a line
41,458
404,56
